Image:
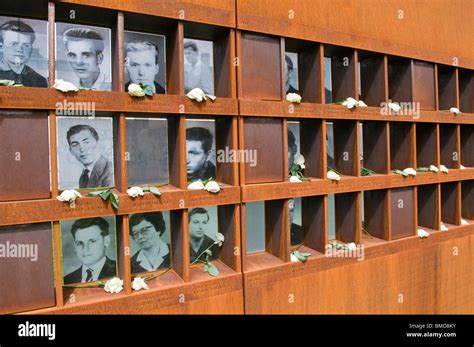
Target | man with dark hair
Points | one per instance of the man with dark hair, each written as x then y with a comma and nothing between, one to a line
141,62
292,148
91,239
288,74
146,230
85,53
16,40
98,171
196,74
198,149
198,240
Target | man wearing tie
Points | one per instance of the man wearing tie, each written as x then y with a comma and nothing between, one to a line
91,239
97,170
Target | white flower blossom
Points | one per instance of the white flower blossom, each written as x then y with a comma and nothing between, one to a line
423,233
70,196
464,222
299,159
455,110
443,169
433,168
219,239
212,187
333,176
196,185
462,167
360,103
443,227
295,179
196,94
133,192
395,107
114,285
293,258
138,284
293,97
134,89
350,103
65,86
410,171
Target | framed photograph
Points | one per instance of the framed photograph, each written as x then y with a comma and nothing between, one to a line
88,249
83,56
24,51
291,72
85,152
328,80
147,151
199,65
200,149
255,226
145,60
150,239
296,230
330,144
203,228
293,141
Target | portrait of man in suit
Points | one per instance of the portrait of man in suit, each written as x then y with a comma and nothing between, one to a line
91,240
16,40
198,68
199,241
147,230
97,170
199,142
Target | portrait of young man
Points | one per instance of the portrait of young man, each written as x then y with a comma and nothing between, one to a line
199,150
147,231
296,231
198,65
21,47
85,158
145,60
86,50
291,72
200,230
92,238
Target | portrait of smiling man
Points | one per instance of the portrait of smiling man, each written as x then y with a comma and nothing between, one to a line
91,238
18,41
84,49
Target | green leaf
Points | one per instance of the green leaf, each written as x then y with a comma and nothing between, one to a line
155,191
211,269
366,172
400,172
208,252
301,256
104,194
96,193
114,200
422,169
146,189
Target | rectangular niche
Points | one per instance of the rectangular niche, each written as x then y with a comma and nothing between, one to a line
402,212
428,206
467,145
339,73
402,145
467,188
343,138
376,213
451,203
372,72
448,140
426,144
344,219
375,146
447,87
466,90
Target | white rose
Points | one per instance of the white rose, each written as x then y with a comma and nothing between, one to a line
464,222
443,227
350,103
361,104
196,94
293,258
299,159
443,169
138,284
69,195
135,90
462,167
293,97
295,179
455,110
410,171
433,168
196,185
114,285
423,233
394,107
212,187
133,192
333,176
219,239
65,86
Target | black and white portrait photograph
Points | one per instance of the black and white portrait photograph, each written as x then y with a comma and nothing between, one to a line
88,249
255,226
328,80
147,151
296,231
83,56
85,152
200,149
203,229
145,60
330,144
291,72
150,239
293,141
24,51
199,65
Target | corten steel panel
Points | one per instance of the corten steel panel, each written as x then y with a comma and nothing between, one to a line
401,211
24,164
